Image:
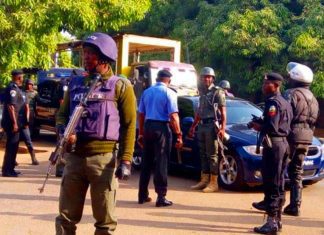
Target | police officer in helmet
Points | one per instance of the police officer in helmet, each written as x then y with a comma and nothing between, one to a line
110,116
306,111
274,129
212,100
226,87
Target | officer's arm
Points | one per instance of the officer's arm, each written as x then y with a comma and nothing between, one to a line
175,123
27,112
222,109
11,110
126,101
272,118
195,122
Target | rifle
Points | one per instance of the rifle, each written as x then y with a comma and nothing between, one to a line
75,117
261,135
221,146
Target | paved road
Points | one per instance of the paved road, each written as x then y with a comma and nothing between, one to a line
24,211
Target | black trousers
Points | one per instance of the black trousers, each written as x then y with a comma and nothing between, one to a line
10,156
274,163
295,167
156,154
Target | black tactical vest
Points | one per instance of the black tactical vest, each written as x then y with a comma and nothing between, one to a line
306,111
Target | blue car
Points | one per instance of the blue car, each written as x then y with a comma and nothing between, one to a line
245,164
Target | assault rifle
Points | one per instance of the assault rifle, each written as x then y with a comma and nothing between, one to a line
261,135
220,143
69,130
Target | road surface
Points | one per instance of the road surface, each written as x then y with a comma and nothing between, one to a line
24,211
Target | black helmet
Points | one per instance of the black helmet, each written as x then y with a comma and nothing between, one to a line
225,84
106,45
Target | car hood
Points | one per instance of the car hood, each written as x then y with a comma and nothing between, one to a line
240,134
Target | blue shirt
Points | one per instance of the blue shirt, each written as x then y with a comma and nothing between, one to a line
158,102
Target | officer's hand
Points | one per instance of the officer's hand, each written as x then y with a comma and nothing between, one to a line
179,142
221,133
70,142
256,126
140,141
123,171
15,127
191,132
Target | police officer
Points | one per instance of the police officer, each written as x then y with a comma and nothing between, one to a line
212,100
226,87
110,116
158,110
14,112
31,96
306,110
274,129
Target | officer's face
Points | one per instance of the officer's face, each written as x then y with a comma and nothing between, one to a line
18,79
207,80
91,58
268,87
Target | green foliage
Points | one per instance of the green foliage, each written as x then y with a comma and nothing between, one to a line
242,39
30,29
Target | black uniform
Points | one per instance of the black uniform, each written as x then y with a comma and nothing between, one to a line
276,127
15,97
306,110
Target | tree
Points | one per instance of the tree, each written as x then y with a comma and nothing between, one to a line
30,29
243,39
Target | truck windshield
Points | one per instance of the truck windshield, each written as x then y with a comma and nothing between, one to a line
183,80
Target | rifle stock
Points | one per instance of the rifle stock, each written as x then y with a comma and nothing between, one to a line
69,130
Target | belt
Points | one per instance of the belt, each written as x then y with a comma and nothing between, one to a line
306,125
278,138
207,120
158,121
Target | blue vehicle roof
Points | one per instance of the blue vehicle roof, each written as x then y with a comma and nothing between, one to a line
56,74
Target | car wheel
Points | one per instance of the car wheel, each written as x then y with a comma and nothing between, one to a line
231,174
137,161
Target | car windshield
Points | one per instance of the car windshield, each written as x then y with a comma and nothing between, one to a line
184,81
238,111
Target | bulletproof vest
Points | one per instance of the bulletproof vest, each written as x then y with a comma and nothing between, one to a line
206,102
100,119
306,111
305,106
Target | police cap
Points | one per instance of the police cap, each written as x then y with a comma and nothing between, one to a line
16,72
164,74
274,77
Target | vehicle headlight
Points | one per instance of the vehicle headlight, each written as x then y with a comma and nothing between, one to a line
251,149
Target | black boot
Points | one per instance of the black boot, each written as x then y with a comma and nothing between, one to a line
270,227
295,201
261,206
162,201
33,158
279,220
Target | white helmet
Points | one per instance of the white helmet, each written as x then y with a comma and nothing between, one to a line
300,73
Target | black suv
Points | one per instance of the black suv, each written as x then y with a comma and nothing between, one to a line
51,85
